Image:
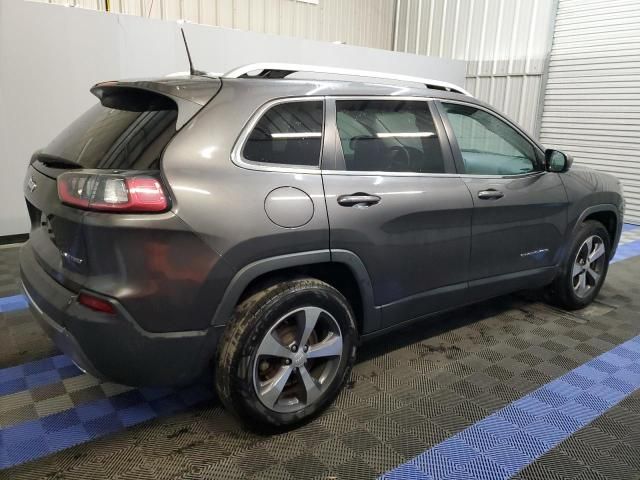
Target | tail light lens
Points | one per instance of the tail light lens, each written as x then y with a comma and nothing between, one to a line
95,303
112,193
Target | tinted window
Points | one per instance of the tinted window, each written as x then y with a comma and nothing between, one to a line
388,136
488,145
130,133
289,134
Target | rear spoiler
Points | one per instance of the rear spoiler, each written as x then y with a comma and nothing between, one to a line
187,95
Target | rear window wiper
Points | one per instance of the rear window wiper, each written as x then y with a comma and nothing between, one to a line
56,162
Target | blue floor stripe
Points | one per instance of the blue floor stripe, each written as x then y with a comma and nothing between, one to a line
35,374
627,251
15,302
38,438
507,441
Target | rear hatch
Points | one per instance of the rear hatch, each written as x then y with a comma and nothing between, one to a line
120,138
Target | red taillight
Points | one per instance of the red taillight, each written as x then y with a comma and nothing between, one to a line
95,303
112,193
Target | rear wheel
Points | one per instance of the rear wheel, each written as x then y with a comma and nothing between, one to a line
286,354
585,268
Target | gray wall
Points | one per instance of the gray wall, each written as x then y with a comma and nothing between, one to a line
51,55
506,44
366,23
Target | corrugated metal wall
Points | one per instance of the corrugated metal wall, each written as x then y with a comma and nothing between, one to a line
592,103
506,43
367,23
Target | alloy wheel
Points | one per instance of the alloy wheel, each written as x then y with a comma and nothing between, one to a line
297,359
588,266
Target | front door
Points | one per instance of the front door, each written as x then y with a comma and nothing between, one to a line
394,199
520,210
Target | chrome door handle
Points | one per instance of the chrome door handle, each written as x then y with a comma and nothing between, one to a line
358,200
490,194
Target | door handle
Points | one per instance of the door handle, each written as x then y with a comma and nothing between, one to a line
490,194
358,200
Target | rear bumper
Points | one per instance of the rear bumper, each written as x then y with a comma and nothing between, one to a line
113,347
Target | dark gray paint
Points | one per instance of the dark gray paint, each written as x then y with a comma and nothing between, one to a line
530,217
429,243
289,207
416,239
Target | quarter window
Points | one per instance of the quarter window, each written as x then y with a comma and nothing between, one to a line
287,134
388,136
488,145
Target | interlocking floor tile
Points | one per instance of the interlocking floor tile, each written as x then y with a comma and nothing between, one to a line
411,391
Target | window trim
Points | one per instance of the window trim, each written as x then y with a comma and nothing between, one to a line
236,152
455,148
335,165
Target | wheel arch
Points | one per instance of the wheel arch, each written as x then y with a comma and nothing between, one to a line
607,215
341,269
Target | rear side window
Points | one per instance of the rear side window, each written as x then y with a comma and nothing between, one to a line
127,131
287,134
388,136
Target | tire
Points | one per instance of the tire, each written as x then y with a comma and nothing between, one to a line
566,291
247,379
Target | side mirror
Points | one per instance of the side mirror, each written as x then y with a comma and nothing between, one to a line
557,161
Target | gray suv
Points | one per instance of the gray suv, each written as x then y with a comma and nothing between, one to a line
261,227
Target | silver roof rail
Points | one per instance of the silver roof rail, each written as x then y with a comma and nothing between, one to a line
281,70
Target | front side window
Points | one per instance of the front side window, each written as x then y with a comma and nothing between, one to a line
388,136
287,134
488,145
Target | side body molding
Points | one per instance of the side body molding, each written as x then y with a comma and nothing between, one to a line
246,275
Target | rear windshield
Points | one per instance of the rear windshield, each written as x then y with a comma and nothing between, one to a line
125,132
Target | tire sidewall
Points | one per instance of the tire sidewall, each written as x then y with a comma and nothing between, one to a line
245,399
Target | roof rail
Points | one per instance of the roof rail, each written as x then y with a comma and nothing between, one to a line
281,70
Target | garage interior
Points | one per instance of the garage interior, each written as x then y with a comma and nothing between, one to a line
539,392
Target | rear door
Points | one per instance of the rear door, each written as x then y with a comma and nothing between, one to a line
520,210
394,200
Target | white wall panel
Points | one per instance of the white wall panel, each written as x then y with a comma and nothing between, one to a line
367,23
592,102
51,70
506,44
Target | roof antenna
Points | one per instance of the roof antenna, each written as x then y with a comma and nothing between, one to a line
192,71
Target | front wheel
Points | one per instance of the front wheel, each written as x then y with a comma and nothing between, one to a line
585,269
286,354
